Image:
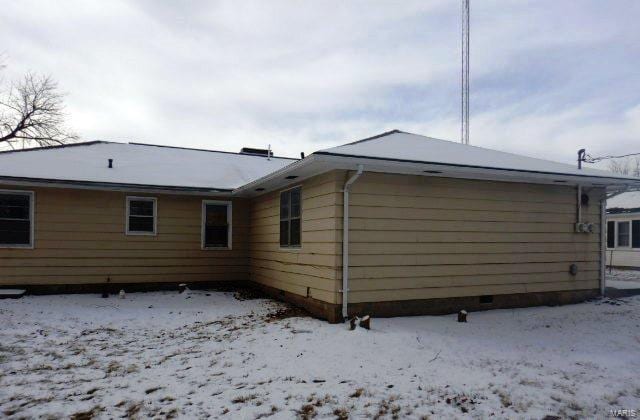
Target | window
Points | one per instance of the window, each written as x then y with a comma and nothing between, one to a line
635,234
16,219
216,224
611,234
290,210
623,234
141,215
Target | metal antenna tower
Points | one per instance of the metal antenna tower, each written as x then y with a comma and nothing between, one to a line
465,73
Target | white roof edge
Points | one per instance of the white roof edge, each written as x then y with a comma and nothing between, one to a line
490,168
273,175
334,161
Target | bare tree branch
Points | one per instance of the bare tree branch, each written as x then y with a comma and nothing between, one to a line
32,113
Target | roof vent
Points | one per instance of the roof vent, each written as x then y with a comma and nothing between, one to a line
255,152
110,163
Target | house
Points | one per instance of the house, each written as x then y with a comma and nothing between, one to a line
421,226
623,230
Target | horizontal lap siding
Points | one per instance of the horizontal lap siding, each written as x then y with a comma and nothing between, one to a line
426,237
80,239
311,270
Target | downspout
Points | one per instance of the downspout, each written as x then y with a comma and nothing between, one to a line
345,239
603,244
579,215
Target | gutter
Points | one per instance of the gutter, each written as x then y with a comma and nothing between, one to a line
345,240
492,168
110,186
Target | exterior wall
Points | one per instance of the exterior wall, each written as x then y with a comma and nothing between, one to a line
312,270
80,239
624,257
414,237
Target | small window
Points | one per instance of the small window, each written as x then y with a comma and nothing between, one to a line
216,224
611,234
290,224
16,219
635,234
623,234
141,215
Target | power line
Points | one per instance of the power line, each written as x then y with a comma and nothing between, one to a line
590,159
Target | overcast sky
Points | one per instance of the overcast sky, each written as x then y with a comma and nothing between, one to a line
547,77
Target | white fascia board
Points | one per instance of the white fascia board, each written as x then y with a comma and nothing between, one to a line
114,187
316,164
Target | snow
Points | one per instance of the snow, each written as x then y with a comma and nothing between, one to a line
200,354
628,200
12,292
140,164
405,146
623,279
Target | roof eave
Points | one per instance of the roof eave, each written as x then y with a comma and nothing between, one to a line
112,186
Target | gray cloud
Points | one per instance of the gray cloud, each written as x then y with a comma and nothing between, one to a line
548,77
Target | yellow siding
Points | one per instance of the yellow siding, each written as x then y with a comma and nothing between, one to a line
80,239
418,237
311,270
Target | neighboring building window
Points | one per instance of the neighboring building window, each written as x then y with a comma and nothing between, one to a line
623,234
611,234
635,234
290,224
16,219
216,224
141,215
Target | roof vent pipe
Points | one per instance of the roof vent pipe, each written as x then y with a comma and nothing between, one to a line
110,163
581,157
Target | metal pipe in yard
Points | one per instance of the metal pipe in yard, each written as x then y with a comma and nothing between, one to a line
345,240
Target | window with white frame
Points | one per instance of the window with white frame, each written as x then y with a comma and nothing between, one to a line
16,219
624,235
290,218
141,215
216,224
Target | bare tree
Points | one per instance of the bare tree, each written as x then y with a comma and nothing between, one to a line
32,113
620,166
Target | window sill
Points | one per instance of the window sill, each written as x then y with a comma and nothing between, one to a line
10,246
290,248
216,248
141,234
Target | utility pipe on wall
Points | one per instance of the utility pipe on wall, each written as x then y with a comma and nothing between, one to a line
345,239
579,210
603,244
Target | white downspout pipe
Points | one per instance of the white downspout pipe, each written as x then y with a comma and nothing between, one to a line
345,239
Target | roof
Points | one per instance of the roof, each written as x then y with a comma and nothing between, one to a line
135,164
145,166
406,147
628,202
405,153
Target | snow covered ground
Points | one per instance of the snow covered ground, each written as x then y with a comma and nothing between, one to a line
623,279
205,354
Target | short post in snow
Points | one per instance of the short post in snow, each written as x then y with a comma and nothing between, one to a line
462,316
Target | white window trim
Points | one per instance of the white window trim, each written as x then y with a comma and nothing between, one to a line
618,232
155,216
229,205
291,248
32,219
